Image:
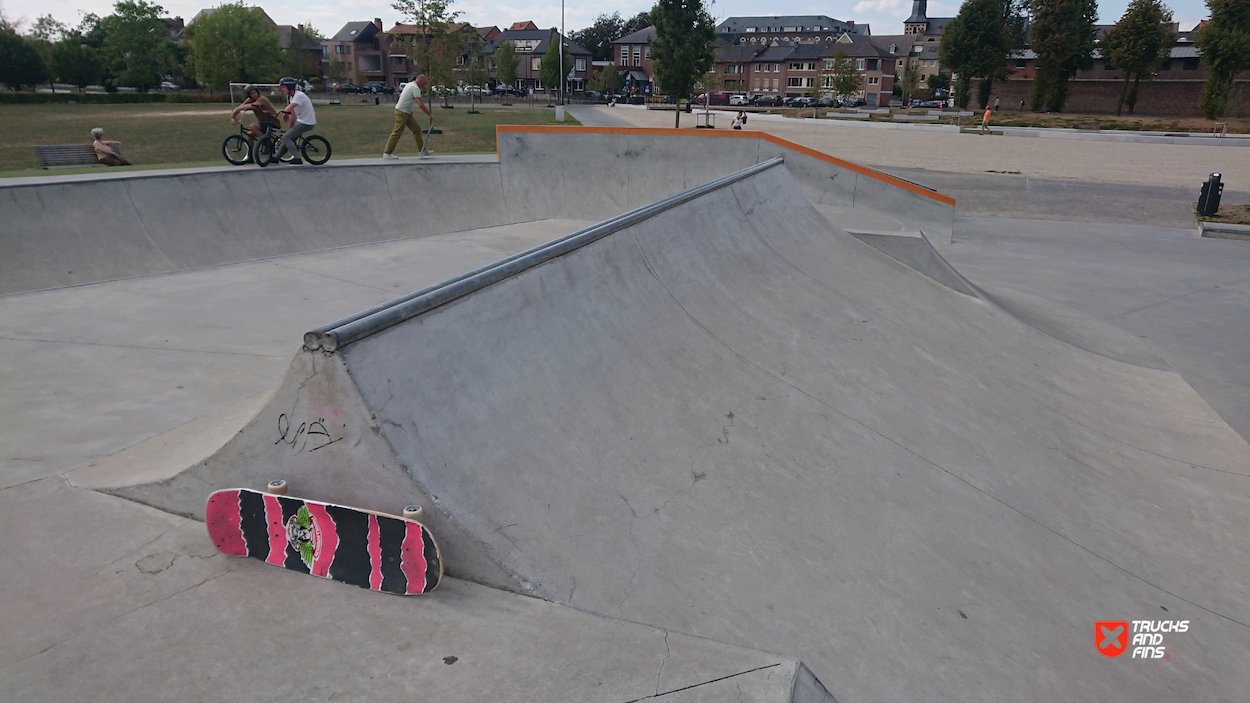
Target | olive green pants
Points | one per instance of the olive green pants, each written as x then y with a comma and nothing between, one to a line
404,119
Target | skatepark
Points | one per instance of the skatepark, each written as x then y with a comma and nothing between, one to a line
693,416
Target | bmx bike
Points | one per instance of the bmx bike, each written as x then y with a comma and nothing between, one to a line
236,148
313,147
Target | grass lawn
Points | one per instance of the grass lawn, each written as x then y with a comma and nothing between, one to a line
191,135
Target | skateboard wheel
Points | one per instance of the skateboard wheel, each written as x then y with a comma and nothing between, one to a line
414,512
277,488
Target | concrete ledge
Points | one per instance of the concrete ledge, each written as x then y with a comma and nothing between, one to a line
1217,230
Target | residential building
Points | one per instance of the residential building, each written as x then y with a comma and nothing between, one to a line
632,55
361,48
794,69
918,44
800,29
531,45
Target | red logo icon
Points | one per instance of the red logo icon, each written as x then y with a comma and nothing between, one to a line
1111,637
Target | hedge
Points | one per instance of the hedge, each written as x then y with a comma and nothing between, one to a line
11,98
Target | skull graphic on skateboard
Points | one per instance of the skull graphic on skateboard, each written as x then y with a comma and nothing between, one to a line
381,552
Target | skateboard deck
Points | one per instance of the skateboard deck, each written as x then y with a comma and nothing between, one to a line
371,550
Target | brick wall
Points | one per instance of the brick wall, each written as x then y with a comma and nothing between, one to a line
1154,98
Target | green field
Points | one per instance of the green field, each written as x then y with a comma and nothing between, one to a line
191,135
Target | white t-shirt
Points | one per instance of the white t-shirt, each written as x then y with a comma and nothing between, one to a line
303,109
408,98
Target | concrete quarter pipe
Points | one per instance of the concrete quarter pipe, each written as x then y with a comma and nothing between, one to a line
733,419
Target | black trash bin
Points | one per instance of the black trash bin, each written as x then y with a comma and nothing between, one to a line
1209,197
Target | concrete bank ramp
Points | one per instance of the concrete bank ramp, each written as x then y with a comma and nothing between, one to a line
729,418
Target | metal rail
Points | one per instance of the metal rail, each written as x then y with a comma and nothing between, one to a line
340,333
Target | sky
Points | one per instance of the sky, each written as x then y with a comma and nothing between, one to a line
884,16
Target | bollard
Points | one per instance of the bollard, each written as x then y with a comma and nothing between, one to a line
377,101
1209,197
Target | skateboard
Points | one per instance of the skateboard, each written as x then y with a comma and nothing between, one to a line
381,552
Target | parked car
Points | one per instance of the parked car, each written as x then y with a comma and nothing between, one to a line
166,85
765,100
376,87
803,101
347,88
739,100
854,102
826,102
716,99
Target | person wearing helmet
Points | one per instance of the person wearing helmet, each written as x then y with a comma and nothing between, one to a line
300,110
409,98
266,114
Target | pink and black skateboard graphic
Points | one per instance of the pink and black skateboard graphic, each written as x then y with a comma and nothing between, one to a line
371,550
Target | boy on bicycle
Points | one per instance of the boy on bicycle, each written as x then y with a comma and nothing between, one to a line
301,112
266,114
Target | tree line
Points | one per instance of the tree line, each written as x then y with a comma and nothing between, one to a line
982,42
131,47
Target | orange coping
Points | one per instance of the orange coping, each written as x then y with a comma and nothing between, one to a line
733,134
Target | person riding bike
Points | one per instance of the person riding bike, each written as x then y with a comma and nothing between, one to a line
301,112
266,114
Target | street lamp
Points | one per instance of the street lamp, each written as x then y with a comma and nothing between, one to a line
562,78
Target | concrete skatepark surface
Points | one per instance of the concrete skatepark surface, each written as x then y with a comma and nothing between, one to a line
732,420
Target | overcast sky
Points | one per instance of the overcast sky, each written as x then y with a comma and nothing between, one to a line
884,16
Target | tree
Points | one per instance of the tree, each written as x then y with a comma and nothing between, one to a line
75,61
683,50
598,37
981,39
475,74
846,78
235,43
20,60
911,82
549,67
1225,47
608,80
336,71
437,44
295,60
1062,35
136,49
506,62
637,23
1138,44
938,82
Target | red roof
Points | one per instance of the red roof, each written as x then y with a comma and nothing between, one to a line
522,26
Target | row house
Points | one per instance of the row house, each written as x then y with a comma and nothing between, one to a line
531,44
361,48
799,29
798,69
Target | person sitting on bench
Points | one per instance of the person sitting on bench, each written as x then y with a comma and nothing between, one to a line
103,150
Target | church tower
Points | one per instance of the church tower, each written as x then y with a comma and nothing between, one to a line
918,23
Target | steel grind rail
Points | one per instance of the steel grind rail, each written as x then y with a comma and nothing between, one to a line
339,334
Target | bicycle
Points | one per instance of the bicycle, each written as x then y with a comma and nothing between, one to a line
236,149
313,147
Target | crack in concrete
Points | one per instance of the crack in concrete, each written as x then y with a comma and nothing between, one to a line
705,683
668,652
115,619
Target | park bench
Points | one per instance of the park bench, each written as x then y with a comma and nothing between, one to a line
914,118
848,115
68,155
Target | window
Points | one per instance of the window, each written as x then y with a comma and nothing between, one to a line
811,66
776,68
397,61
349,66
580,64
624,55
794,83
1021,63
338,48
1167,65
872,64
774,85
1190,65
647,52
859,64
796,67
873,80
829,64
808,82
535,62
349,48
637,56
